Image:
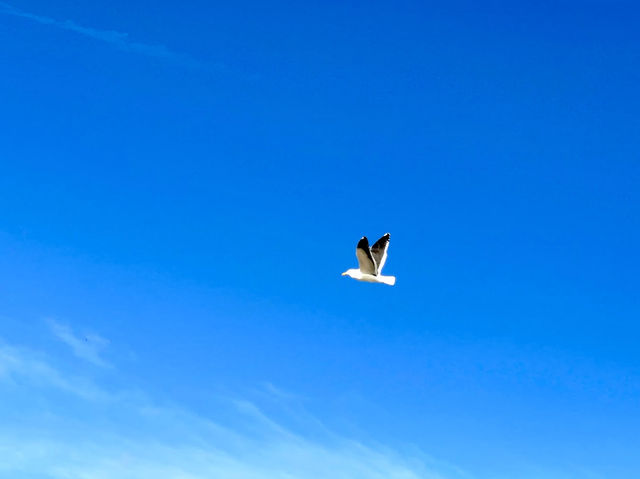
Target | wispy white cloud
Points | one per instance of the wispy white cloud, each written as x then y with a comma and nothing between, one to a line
134,436
87,346
143,460
117,39
28,370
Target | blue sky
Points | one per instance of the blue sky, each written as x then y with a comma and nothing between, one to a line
182,185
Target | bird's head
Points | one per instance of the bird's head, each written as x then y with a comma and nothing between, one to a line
351,273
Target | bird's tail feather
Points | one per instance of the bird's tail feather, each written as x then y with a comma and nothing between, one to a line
390,280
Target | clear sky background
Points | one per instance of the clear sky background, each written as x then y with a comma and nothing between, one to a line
182,183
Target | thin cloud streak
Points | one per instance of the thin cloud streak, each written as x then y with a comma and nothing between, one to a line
118,39
25,369
150,439
85,347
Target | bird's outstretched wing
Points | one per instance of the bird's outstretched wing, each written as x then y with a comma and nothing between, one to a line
365,260
379,252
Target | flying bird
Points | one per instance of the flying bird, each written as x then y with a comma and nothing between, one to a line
371,261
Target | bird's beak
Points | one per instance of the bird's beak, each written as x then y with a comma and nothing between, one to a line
344,274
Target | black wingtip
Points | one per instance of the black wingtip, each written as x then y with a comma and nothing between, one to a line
363,243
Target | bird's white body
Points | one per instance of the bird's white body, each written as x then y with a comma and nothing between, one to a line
371,260
369,278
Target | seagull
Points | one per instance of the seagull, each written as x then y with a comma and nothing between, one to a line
371,261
